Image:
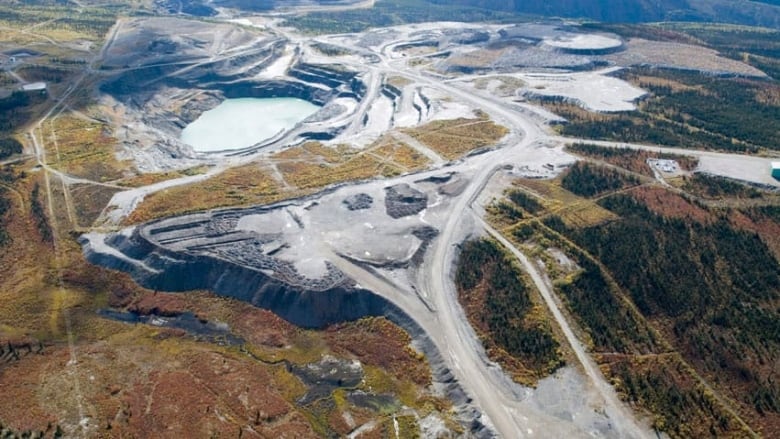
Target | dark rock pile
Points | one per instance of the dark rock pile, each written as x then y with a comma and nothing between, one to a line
358,201
403,200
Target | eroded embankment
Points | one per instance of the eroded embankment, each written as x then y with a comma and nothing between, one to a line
158,268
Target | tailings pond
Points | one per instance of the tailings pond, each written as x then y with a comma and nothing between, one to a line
241,123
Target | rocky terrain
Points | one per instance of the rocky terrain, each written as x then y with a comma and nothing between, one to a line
366,249
304,286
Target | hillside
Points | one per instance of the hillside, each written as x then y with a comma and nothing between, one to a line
764,13
676,294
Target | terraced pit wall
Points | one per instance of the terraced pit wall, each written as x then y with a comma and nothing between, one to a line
157,268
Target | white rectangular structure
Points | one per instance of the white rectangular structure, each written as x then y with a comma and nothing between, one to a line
35,86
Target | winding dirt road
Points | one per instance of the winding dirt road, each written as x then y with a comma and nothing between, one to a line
438,311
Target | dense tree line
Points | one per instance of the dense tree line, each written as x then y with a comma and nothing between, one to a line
507,210
687,277
607,321
9,146
5,205
53,431
637,127
525,201
611,325
589,180
714,186
15,109
733,40
680,408
727,107
248,5
34,73
631,159
507,303
638,11
7,176
714,283
601,10
17,100
771,212
39,215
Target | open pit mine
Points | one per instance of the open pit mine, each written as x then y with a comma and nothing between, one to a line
438,117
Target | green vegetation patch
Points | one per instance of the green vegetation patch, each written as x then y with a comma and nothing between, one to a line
7,177
713,186
57,21
5,206
687,277
9,146
18,109
715,288
589,180
526,202
630,159
408,427
600,311
699,111
39,215
710,286
499,304
772,212
681,406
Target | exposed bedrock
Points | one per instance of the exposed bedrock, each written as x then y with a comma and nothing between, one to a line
391,92
170,101
157,268
160,269
314,83
275,89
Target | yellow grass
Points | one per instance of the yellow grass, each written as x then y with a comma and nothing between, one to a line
314,165
308,175
586,214
82,147
89,201
304,169
152,178
399,153
244,185
477,58
507,87
575,211
398,82
64,34
454,138
16,37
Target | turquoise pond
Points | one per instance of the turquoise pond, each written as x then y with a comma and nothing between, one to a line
241,123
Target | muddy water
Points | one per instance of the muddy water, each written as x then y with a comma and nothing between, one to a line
240,123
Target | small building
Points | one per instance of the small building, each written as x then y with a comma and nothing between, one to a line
776,170
34,86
